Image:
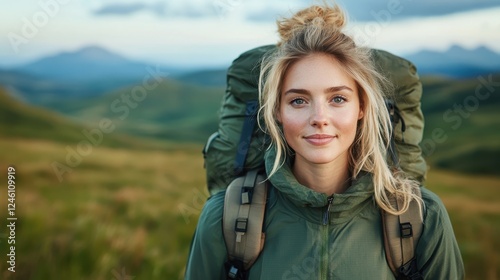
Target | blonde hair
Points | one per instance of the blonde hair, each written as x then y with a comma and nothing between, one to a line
318,29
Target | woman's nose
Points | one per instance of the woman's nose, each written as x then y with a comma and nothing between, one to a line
319,115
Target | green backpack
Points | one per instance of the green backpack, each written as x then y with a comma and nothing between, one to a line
235,152
239,145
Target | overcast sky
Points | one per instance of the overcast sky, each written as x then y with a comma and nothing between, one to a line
211,33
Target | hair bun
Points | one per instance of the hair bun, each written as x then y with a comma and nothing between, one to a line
319,16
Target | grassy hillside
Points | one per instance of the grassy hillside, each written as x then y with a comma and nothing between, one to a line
170,110
135,212
119,209
21,121
205,77
461,131
43,91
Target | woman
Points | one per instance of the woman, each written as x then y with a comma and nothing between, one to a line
322,106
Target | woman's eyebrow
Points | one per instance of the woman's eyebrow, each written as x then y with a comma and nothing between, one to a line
327,90
338,88
297,90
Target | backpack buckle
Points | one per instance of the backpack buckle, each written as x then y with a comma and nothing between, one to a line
410,271
233,272
246,195
241,225
406,230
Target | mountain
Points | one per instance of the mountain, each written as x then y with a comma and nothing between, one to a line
89,64
98,66
457,62
85,73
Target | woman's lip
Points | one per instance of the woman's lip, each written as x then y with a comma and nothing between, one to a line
319,139
319,136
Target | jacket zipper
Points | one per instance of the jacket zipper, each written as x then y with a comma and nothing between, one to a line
326,222
326,215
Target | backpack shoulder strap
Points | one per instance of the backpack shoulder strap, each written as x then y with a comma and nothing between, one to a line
401,235
243,219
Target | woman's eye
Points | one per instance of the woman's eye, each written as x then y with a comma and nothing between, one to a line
338,99
298,101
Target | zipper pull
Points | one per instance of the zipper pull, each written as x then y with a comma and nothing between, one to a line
326,215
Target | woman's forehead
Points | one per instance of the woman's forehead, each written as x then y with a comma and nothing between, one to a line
318,72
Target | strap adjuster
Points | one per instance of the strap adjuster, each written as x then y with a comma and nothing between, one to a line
406,230
246,195
241,225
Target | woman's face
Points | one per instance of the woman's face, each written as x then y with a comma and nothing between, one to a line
319,110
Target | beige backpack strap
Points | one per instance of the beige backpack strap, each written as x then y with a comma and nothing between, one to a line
401,235
243,218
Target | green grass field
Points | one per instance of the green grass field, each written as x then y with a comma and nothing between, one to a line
117,209
132,212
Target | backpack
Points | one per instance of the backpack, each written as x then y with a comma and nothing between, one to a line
234,154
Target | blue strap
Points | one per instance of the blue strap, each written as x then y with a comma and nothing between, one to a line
246,136
395,117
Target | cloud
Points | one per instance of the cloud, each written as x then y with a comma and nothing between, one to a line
124,9
366,10
268,11
164,8
361,10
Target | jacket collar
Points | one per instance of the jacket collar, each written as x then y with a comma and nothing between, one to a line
343,205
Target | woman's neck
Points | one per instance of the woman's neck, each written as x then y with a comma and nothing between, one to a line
327,178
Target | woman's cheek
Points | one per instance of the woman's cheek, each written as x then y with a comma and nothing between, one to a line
294,120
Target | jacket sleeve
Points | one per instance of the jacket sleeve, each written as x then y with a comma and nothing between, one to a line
438,255
208,250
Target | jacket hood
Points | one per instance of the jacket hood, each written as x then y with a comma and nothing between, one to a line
343,205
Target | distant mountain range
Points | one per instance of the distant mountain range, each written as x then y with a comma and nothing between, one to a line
92,72
89,64
98,65
457,62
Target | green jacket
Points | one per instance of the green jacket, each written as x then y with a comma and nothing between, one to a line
300,246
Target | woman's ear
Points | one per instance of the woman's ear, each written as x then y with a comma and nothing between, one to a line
361,95
278,118
277,115
361,114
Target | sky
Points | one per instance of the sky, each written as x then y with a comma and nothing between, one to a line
211,33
